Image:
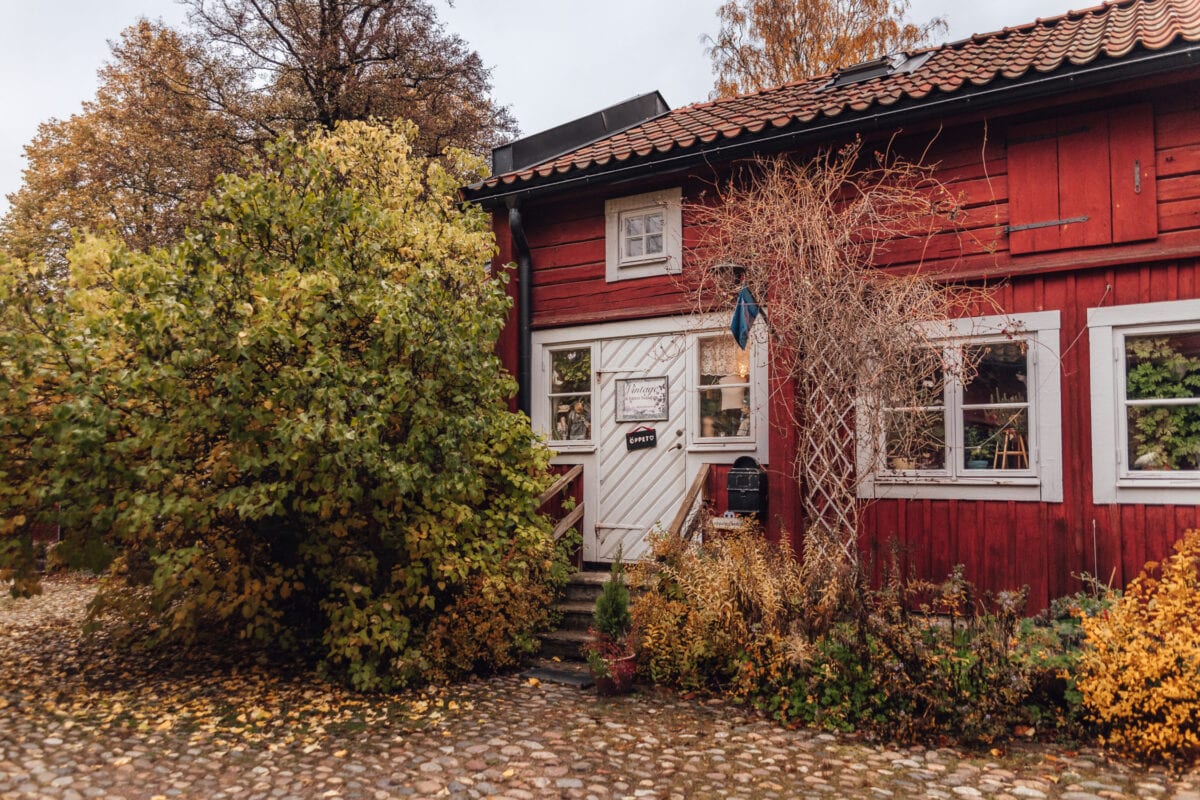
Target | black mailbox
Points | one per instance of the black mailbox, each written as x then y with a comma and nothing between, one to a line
747,487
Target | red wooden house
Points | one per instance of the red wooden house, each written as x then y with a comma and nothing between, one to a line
1076,143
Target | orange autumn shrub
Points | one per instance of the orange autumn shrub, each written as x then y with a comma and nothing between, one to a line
1140,674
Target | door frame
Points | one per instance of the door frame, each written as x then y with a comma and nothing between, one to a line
696,453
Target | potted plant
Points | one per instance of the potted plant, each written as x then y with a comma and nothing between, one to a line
609,652
980,446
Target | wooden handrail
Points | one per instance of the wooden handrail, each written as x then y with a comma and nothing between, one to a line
563,481
568,522
699,485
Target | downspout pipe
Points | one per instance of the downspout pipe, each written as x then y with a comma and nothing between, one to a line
524,306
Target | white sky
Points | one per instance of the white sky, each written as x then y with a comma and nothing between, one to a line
552,60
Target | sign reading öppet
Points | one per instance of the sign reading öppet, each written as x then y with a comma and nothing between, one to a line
641,438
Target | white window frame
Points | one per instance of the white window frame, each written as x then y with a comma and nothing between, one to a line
1112,480
1042,482
568,445
618,267
757,380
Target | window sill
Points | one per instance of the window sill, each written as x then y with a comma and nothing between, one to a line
572,447
1161,492
711,445
898,487
648,261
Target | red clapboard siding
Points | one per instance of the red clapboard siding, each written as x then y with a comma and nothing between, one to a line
1002,544
1007,545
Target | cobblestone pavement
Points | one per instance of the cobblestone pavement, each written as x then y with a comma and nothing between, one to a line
67,735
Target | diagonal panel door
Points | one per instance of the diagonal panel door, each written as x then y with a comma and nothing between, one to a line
638,489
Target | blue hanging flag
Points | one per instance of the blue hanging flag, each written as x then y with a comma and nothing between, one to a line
745,310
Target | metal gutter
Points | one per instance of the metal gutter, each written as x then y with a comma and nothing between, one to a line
524,310
989,96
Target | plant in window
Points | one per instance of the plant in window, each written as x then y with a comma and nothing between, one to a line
1162,435
979,442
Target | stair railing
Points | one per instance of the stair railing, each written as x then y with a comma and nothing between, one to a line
688,518
569,484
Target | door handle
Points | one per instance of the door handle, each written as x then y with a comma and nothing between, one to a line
678,446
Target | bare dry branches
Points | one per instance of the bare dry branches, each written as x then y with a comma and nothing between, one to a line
848,338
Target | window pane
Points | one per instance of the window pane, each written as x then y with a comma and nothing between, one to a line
1164,437
654,222
920,382
654,244
722,361
572,371
633,226
998,374
996,438
916,440
725,412
573,417
633,248
1162,366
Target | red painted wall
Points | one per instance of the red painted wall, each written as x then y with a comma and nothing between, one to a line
1001,544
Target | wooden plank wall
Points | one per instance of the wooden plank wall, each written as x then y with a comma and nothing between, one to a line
1046,545
1002,544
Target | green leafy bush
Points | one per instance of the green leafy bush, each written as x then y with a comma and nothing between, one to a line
1048,648
1140,672
292,427
948,670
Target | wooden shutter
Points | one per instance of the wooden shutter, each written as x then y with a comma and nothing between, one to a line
1082,181
1131,156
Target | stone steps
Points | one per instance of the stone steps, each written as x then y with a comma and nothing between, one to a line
575,610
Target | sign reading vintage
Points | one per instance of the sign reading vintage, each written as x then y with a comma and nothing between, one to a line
641,438
640,399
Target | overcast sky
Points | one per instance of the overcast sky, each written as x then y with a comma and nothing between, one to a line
552,60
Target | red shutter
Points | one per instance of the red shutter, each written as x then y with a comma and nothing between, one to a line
1131,156
1033,185
1082,181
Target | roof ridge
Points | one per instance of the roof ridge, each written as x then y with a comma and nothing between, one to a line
1112,30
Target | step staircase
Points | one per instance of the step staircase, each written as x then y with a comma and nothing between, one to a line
561,657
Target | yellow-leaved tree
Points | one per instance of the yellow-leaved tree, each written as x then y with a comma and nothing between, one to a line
764,43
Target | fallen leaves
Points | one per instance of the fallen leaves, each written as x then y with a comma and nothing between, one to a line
51,672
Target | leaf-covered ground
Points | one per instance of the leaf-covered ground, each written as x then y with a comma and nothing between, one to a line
53,673
81,718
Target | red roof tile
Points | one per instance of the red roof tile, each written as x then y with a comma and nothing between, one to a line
1075,38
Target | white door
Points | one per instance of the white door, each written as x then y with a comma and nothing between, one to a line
641,488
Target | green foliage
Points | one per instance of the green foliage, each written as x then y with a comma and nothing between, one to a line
1140,672
949,670
1049,647
611,617
78,552
1166,437
293,426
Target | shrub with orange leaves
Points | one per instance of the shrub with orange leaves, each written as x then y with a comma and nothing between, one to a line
1140,674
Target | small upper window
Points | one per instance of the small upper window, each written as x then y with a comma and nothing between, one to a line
643,235
1146,402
